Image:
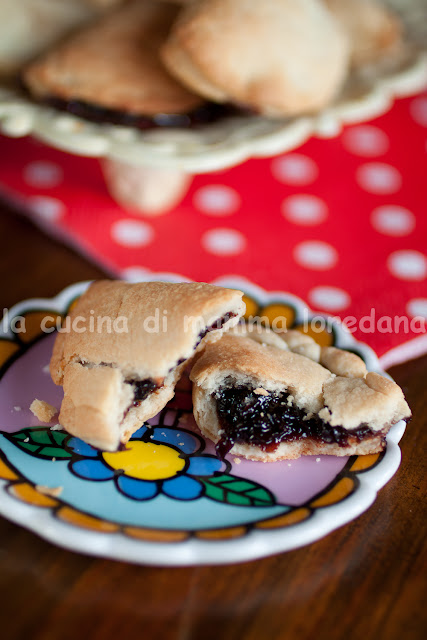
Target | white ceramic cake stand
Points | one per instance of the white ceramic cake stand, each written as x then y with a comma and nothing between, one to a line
150,171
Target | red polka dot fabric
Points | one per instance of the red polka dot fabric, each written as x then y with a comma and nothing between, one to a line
341,222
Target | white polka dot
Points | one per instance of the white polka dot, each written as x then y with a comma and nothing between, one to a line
417,307
304,209
418,110
329,298
314,254
295,169
379,178
392,220
42,174
223,242
136,274
47,209
132,233
366,141
407,265
216,200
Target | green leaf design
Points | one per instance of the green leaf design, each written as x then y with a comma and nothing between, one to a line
41,443
238,491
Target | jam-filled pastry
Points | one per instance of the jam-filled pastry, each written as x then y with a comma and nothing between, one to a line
28,27
267,400
374,31
278,57
124,348
112,68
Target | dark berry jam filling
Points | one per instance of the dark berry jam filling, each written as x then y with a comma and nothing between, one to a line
142,389
218,324
267,420
205,114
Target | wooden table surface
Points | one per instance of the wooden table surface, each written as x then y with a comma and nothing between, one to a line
366,580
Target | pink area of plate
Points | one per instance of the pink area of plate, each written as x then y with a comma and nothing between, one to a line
26,379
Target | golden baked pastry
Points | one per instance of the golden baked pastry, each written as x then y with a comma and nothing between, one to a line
269,397
124,348
114,64
279,57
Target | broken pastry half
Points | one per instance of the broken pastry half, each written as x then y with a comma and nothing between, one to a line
123,348
268,397
277,57
111,71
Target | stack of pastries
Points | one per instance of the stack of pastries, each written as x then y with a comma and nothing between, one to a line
153,63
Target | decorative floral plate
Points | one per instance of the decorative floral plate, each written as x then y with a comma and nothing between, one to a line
167,500
367,94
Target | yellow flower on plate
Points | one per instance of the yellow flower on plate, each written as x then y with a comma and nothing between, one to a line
146,461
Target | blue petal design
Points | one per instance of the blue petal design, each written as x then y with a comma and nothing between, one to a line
183,488
178,438
203,465
82,448
138,434
137,489
91,470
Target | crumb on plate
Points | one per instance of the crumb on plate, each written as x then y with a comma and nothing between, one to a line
49,491
43,410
